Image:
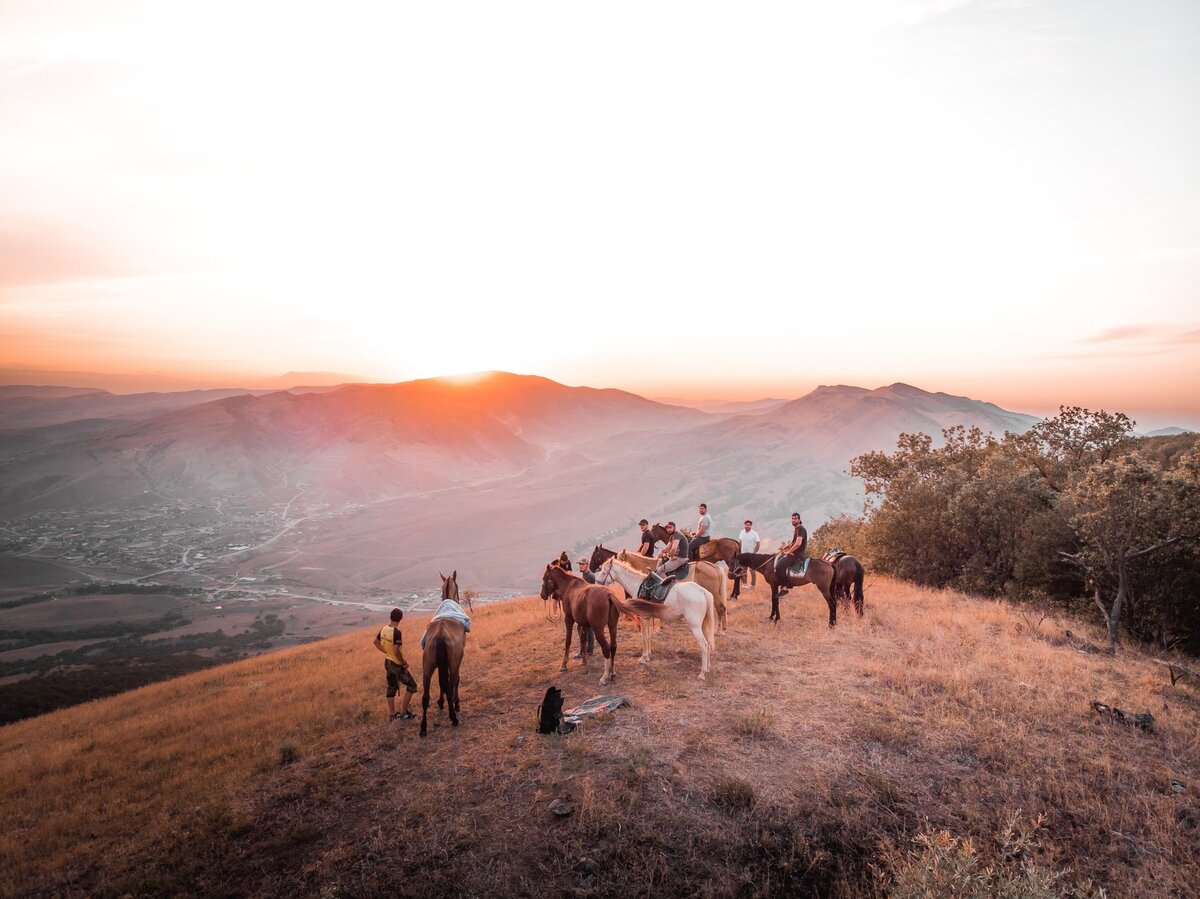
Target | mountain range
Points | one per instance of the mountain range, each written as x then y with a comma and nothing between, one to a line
380,485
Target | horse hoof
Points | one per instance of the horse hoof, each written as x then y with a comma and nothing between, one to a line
701,676
454,722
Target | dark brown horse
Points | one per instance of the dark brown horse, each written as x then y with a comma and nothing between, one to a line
445,640
848,581
820,573
592,606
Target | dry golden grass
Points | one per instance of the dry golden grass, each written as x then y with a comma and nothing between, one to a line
809,756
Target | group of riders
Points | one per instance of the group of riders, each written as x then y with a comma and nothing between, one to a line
683,546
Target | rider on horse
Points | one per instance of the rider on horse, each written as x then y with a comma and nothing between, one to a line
792,551
674,556
703,532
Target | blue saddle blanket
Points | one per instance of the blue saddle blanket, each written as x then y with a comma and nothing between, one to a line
449,609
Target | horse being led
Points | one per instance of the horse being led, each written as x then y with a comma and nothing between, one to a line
686,600
820,573
445,640
593,606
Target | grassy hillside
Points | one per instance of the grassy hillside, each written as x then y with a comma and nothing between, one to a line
936,737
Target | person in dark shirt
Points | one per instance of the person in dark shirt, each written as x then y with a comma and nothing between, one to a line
792,551
646,547
675,556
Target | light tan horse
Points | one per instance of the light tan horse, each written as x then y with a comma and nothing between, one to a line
706,574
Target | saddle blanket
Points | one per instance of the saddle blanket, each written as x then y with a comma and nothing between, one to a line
832,555
450,609
799,570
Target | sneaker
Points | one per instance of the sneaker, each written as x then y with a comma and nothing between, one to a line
577,655
406,716
394,716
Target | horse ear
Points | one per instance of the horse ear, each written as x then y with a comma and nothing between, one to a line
454,575
442,576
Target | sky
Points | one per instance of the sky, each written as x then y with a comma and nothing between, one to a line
997,198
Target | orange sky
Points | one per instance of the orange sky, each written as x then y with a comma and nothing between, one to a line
994,199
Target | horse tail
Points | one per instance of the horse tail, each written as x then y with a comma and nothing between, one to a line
858,586
642,607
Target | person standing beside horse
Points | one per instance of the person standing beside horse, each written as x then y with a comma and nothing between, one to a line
388,641
792,551
646,547
750,543
585,572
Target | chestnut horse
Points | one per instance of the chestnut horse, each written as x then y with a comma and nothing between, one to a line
820,573
445,640
592,606
707,575
718,549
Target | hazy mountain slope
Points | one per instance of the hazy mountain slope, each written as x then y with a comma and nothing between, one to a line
36,410
361,442
493,473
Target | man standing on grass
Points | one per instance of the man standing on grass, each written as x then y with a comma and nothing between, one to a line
750,543
585,572
388,641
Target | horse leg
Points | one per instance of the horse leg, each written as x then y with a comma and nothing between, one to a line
454,693
583,653
606,650
698,632
567,648
774,616
832,603
426,675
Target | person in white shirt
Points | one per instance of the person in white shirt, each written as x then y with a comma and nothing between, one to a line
750,544
703,532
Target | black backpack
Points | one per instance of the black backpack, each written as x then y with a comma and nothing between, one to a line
550,711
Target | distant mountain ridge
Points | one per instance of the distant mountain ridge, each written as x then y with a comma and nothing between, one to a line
513,465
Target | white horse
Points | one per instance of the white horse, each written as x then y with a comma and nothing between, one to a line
686,600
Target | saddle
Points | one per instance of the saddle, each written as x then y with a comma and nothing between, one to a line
654,589
832,555
800,569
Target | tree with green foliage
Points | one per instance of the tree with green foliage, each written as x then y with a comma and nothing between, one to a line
1125,512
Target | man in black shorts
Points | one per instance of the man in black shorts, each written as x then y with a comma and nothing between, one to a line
388,641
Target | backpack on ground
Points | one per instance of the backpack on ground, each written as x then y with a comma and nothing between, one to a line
550,711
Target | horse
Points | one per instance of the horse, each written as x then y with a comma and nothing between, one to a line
718,549
599,555
707,575
686,600
445,640
554,602
450,588
848,581
592,605
820,573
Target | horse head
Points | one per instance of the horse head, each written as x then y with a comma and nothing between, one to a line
450,585
548,588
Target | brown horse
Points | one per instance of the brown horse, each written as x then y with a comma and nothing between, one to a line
848,581
820,573
445,640
450,588
718,549
592,606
